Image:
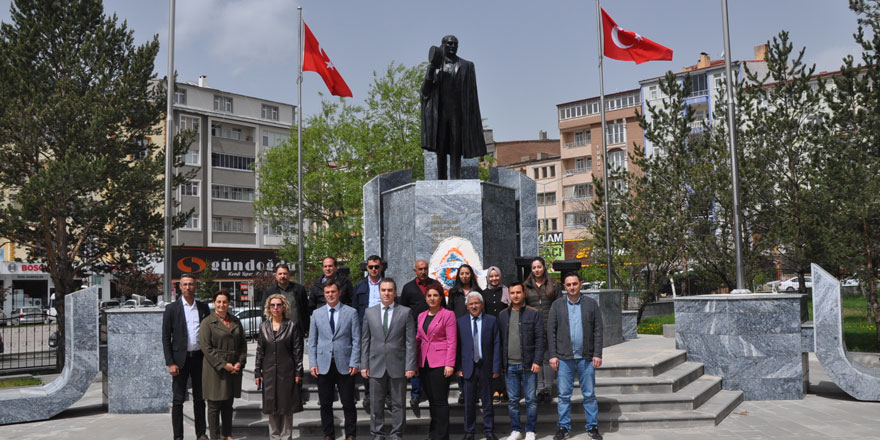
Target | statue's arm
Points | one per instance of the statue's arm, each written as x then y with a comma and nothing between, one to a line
430,80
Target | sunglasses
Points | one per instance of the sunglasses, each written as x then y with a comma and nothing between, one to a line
374,267
275,305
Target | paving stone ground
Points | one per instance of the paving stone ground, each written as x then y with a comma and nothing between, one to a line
825,413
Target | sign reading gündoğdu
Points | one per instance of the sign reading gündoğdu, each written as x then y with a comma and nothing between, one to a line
227,264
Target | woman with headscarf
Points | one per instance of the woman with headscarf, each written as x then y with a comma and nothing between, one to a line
496,299
541,291
279,366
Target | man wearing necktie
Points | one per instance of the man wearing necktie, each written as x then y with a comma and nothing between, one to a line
388,342
479,361
334,356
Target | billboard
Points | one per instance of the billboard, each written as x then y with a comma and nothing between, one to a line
226,263
551,247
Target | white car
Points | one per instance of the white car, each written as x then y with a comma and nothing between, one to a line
28,315
792,284
250,321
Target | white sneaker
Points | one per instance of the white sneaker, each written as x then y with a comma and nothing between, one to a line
530,436
516,435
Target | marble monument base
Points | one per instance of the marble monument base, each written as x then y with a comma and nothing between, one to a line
752,341
137,380
612,316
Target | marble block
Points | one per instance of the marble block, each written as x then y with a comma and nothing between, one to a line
612,316
525,192
808,337
28,404
856,379
137,380
418,216
373,207
470,168
752,341
629,324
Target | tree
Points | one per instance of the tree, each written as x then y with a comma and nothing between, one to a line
852,164
344,146
82,187
132,281
207,283
779,111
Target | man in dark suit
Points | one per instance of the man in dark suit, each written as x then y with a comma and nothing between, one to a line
388,347
413,296
479,361
183,354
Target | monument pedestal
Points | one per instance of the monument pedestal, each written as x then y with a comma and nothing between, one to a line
405,221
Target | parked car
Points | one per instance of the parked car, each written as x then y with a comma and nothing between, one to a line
129,304
109,304
250,321
28,315
147,303
792,284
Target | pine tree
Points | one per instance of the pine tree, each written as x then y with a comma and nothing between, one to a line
82,188
207,283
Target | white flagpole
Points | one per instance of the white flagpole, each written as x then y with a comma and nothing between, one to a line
609,269
169,156
299,151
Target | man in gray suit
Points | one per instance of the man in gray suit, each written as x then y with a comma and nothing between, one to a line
334,356
388,342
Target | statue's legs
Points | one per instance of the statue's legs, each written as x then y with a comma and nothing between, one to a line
441,166
455,166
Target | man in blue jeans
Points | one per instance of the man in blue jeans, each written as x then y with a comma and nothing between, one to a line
574,333
522,351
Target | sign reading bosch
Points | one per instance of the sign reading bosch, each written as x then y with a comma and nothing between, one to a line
227,264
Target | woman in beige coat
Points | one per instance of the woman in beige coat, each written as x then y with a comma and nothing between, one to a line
279,367
225,350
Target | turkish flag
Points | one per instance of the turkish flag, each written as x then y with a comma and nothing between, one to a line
316,60
624,45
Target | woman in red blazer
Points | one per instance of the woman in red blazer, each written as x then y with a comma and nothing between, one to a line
438,336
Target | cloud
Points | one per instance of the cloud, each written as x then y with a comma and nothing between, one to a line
238,33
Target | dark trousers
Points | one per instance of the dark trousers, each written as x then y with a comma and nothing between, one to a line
220,410
344,383
436,387
191,370
480,383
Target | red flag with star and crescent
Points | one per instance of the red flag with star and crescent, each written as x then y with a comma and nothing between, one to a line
316,60
624,45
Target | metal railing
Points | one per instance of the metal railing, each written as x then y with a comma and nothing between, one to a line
29,343
575,144
576,170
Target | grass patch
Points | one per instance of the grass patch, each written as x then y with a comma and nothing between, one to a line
859,333
19,382
654,325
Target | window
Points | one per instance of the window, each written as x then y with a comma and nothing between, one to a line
537,171
553,171
236,134
580,165
544,172
281,229
225,192
617,160
699,86
653,92
143,150
547,224
218,224
578,219
190,188
188,123
191,157
180,96
594,107
223,103
615,132
270,112
553,225
274,139
717,80
580,191
580,138
192,222
547,198
232,161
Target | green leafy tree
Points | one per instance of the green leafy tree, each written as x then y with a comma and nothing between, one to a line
207,283
344,146
852,164
81,188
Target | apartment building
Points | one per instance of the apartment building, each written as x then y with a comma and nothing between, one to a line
232,131
580,128
707,77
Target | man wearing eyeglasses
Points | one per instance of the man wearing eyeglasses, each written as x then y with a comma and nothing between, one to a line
366,295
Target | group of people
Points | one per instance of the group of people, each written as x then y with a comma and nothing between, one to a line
508,340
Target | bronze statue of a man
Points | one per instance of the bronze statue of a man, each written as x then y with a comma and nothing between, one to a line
451,122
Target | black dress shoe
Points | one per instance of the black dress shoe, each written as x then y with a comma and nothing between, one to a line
414,405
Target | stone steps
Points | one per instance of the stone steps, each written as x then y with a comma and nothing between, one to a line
635,389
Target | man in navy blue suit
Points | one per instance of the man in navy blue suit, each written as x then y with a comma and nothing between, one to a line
479,361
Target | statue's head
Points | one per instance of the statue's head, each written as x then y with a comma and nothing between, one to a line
450,46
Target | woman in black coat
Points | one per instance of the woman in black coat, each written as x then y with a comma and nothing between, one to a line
279,367
465,282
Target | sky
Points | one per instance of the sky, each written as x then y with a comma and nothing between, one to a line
530,55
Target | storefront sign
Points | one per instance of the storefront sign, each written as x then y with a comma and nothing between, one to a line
551,247
227,264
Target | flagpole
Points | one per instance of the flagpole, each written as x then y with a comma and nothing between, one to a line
734,167
299,150
169,157
609,269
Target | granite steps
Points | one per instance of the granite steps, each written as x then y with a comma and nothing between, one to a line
654,390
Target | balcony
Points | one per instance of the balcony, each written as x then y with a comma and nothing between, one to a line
575,144
573,171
